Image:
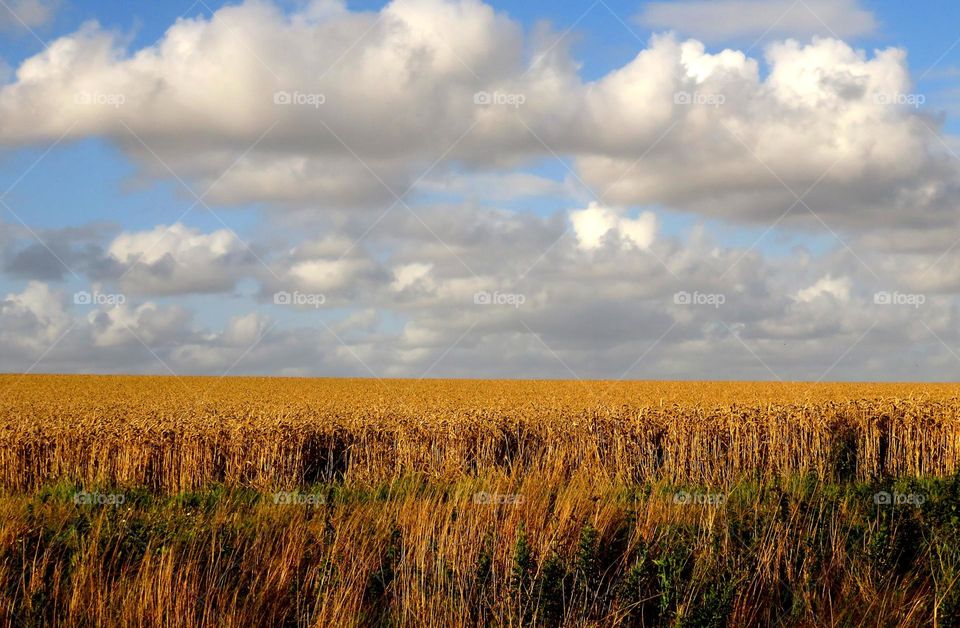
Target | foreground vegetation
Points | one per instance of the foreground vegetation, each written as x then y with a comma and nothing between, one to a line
414,552
197,501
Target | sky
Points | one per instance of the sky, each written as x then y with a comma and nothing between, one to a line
723,189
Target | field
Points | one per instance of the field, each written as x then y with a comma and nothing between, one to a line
249,501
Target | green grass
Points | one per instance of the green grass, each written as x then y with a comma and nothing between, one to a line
786,549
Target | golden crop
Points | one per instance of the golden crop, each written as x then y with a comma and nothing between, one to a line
171,433
467,503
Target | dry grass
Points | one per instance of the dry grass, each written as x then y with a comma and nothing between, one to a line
183,433
415,553
399,537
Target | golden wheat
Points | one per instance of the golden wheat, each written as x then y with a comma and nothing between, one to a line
169,433
586,527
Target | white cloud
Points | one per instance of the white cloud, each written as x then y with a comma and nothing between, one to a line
838,288
408,275
33,319
126,325
327,274
594,223
177,241
676,127
245,330
27,14
798,315
177,259
819,122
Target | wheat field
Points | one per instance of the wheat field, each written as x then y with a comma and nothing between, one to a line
170,433
317,502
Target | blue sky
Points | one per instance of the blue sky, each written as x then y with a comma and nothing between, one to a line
601,41
100,191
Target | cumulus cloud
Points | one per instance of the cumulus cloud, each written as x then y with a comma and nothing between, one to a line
314,113
43,330
821,134
197,95
407,275
32,319
51,253
593,224
176,259
332,270
677,126
27,14
838,288
245,330
584,313
146,323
